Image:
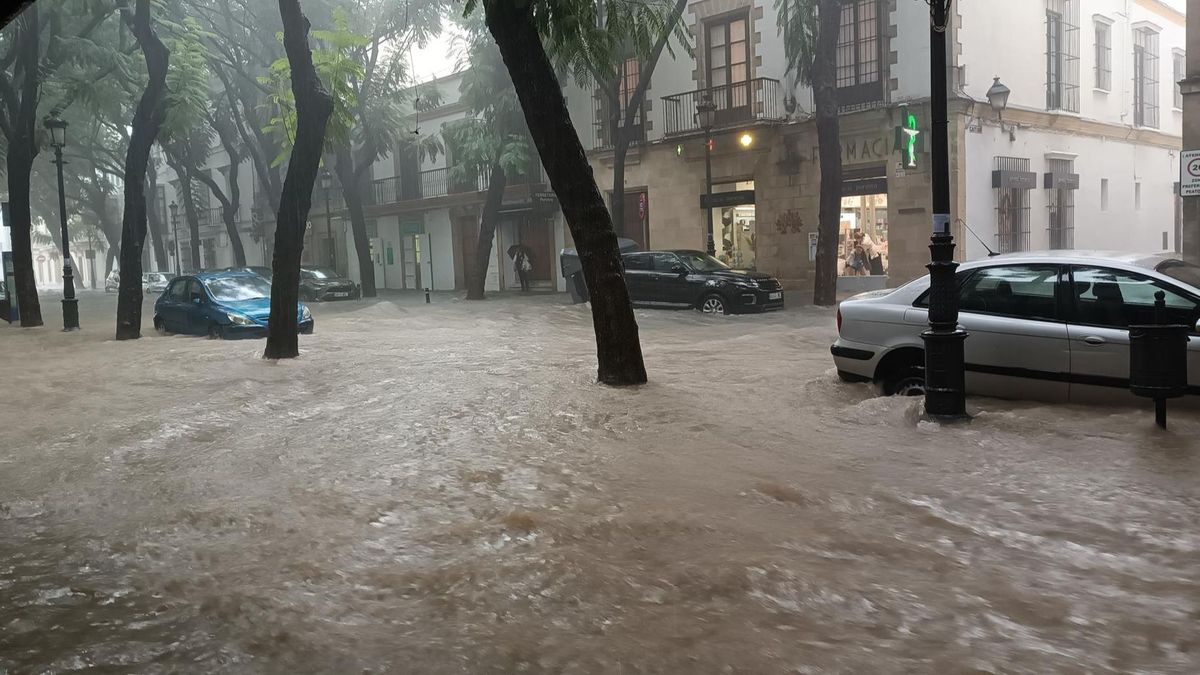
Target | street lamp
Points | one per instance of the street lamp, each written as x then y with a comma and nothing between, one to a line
175,235
327,183
706,113
58,138
945,378
997,96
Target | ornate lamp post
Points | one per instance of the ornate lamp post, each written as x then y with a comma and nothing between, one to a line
706,113
327,183
70,304
175,235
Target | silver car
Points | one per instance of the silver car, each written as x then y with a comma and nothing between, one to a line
1049,326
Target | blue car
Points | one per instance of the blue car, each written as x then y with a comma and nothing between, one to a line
220,305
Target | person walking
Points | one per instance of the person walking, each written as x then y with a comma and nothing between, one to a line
522,266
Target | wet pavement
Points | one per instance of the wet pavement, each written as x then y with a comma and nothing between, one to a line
443,489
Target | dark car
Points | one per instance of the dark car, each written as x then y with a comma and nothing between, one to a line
264,272
695,279
220,305
318,284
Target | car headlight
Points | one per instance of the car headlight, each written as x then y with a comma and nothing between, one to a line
748,282
240,320
305,315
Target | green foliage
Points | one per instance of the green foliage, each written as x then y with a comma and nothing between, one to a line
797,22
187,85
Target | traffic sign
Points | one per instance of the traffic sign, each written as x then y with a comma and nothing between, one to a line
1189,173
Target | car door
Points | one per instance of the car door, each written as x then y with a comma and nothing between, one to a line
670,279
1018,344
171,311
638,272
196,308
1105,302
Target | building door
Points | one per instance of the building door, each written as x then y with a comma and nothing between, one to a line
534,234
637,218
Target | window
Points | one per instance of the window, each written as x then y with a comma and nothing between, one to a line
1177,61
663,262
859,53
194,290
1062,56
1019,291
1061,201
1145,77
1012,206
178,290
1103,194
639,262
729,63
210,252
628,77
1103,56
1117,299
1137,196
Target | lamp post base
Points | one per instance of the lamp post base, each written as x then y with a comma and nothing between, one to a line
70,314
945,381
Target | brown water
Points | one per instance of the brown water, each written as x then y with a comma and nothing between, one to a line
442,489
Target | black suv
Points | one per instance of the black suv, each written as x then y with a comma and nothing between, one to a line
318,284
696,279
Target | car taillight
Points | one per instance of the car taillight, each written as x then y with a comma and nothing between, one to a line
839,320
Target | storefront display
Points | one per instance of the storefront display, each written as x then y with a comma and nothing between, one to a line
863,236
734,227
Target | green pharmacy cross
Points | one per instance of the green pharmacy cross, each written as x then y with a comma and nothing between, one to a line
909,138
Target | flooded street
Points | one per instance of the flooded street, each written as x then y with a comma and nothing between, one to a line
443,489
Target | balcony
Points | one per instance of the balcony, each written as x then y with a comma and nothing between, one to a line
757,100
439,183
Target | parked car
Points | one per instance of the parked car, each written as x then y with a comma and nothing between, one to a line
318,284
264,272
220,305
1052,325
154,282
694,279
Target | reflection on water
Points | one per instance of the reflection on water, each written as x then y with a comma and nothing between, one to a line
432,489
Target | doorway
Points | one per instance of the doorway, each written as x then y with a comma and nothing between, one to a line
535,234
636,209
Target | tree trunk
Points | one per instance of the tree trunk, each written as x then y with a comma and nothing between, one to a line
155,224
620,151
352,191
618,349
147,121
488,219
229,208
829,145
22,149
314,105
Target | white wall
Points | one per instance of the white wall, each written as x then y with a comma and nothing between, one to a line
911,44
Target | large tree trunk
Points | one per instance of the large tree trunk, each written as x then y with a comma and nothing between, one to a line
488,219
155,225
22,149
314,105
829,143
190,213
229,208
618,349
146,122
352,191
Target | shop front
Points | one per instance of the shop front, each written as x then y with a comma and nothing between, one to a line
732,223
863,234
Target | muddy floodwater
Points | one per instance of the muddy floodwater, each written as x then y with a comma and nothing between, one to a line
442,489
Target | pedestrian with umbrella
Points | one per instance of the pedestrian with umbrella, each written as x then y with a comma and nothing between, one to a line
522,264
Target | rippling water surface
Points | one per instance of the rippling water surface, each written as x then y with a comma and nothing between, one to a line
442,489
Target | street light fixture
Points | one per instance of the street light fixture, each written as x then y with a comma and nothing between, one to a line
175,234
706,113
327,183
997,96
58,139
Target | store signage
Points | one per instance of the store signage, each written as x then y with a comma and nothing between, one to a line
1005,179
865,186
1189,173
724,199
1060,181
909,139
863,150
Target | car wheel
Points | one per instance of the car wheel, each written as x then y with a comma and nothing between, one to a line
907,381
159,326
713,304
214,332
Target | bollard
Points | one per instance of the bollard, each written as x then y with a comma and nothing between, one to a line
1158,360
427,296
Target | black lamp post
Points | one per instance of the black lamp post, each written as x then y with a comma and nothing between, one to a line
327,183
945,379
70,304
706,112
175,235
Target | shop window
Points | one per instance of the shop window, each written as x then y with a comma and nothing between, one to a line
1061,183
734,227
1103,56
1013,182
859,53
863,237
1145,77
1062,55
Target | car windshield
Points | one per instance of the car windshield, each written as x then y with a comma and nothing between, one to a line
1181,271
702,262
233,289
320,274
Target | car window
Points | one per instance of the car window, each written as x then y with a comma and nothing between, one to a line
178,290
639,262
238,288
663,262
1019,291
1118,299
194,289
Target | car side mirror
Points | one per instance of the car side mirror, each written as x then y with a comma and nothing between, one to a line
678,269
1198,327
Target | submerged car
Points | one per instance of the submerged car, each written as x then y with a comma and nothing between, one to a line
318,284
694,279
220,305
1050,326
154,282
